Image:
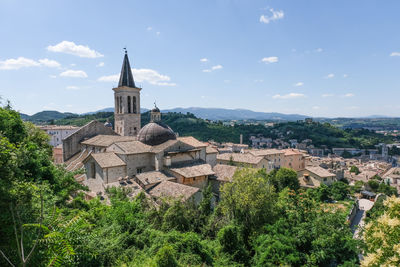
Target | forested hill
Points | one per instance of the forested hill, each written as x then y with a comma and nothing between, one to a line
189,124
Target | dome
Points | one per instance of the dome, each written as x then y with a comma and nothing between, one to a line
155,109
155,133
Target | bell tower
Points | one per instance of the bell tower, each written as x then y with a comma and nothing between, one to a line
127,102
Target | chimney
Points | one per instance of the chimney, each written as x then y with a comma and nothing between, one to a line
241,139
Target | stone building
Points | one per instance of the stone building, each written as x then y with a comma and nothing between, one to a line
152,157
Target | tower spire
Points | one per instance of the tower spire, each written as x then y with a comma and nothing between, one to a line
126,77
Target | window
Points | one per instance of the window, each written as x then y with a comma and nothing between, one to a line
134,104
92,170
129,104
139,170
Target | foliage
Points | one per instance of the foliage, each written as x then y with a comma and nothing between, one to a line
355,170
382,236
285,177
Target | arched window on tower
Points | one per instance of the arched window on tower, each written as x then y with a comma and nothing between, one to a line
134,104
120,104
116,105
129,104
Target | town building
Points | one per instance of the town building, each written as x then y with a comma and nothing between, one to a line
58,132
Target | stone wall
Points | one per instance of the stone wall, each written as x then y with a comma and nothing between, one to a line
71,144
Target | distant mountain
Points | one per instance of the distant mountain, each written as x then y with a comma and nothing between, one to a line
111,109
236,114
46,115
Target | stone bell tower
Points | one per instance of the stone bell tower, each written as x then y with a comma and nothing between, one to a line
127,102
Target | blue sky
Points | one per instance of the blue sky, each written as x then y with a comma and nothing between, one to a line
313,57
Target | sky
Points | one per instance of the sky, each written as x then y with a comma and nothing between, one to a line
314,57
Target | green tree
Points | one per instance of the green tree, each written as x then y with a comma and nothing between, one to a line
165,257
285,177
339,190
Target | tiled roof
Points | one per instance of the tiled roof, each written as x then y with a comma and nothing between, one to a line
265,152
191,141
171,189
194,170
240,157
148,178
58,127
133,147
321,172
211,150
108,159
224,172
291,152
107,140
163,146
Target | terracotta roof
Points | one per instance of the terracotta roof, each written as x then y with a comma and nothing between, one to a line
148,178
194,170
191,141
107,140
211,150
265,152
108,159
163,146
292,152
133,147
171,189
240,157
224,172
321,172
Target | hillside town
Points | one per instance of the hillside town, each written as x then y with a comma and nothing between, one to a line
158,162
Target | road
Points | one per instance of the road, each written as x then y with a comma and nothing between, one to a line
358,222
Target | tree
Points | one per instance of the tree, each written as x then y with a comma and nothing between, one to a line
249,198
165,257
373,184
285,177
339,190
355,170
382,237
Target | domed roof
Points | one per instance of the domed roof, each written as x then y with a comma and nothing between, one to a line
155,109
155,133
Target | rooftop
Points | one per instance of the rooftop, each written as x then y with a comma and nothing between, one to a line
224,172
194,170
240,157
153,177
108,159
107,140
321,172
174,190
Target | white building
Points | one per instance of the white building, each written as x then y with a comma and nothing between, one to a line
58,132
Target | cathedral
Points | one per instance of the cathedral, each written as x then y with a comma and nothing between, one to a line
152,158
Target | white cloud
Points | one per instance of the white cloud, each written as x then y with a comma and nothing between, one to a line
216,67
71,87
142,75
74,49
345,75
74,74
348,95
395,54
316,107
204,60
149,28
327,95
22,62
258,80
319,50
268,60
330,76
158,33
53,76
101,64
275,15
49,63
298,84
288,96
227,81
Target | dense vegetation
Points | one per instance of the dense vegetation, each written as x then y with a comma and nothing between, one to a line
262,219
